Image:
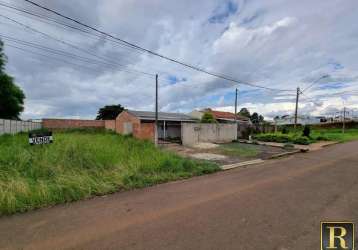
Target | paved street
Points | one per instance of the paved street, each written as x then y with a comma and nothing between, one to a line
275,205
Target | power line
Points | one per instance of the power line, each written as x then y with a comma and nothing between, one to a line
47,56
137,47
67,54
315,82
45,19
69,44
63,24
92,53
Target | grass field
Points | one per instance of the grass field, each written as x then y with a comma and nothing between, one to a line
81,164
336,134
239,149
331,134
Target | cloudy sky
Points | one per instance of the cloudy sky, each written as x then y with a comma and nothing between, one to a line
274,43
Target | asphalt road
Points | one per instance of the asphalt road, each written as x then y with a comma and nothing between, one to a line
275,205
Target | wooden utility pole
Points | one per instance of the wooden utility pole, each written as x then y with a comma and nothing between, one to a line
236,106
344,121
296,111
156,111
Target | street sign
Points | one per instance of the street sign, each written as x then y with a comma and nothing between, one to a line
40,138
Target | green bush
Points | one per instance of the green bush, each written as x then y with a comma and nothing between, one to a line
302,140
283,138
208,118
285,130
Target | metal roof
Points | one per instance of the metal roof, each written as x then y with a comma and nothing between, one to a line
163,116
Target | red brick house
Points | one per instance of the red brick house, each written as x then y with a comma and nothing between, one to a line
141,124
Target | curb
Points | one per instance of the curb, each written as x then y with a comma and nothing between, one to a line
288,153
241,164
333,143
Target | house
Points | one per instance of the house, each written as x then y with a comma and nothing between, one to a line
141,124
220,116
302,119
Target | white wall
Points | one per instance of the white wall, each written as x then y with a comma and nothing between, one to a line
13,126
193,133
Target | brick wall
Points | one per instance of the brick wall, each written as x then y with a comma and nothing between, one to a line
71,123
110,124
147,131
140,130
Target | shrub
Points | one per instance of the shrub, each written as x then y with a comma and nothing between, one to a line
322,138
208,118
285,130
283,138
303,140
306,131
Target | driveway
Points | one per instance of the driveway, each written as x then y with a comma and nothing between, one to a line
275,205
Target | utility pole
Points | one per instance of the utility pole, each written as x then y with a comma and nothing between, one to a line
296,111
344,121
236,106
156,111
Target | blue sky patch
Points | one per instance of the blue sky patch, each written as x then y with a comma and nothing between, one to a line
221,14
336,65
174,79
333,85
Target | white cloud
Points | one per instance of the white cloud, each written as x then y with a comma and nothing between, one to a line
274,43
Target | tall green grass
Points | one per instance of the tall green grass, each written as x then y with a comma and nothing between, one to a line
334,134
81,164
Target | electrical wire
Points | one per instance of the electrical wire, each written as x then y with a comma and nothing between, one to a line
67,54
139,48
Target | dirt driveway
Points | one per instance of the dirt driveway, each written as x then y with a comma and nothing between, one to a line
227,153
277,205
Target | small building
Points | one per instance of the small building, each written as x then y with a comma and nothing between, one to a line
141,124
220,116
302,119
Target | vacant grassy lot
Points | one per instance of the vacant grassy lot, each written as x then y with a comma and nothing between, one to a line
335,134
239,149
81,164
331,134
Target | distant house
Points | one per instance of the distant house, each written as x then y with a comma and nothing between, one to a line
303,120
220,116
141,124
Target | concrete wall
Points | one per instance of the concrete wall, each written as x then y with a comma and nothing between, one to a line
72,123
193,133
14,126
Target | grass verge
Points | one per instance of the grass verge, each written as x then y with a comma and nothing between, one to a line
239,149
81,164
335,134
331,134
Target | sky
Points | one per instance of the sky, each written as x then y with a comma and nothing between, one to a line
272,43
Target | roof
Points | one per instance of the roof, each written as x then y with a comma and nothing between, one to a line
163,116
221,115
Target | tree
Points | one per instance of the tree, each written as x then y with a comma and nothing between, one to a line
11,96
109,112
208,118
245,112
261,119
255,118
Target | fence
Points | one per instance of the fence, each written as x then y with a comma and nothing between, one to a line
13,126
